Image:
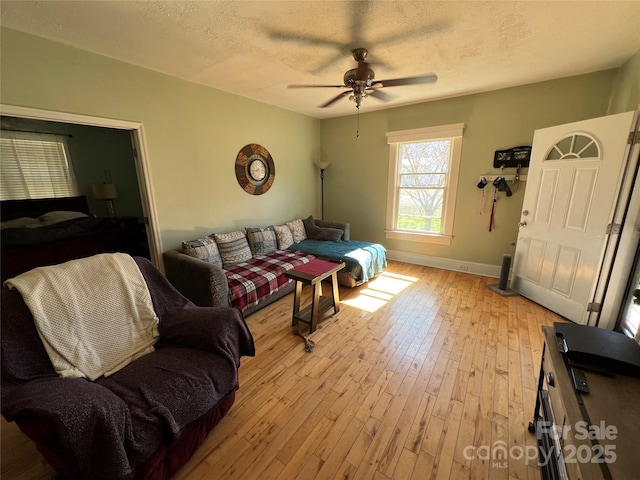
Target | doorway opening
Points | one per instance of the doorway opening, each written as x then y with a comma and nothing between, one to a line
138,154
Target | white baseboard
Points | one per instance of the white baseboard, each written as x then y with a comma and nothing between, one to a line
446,263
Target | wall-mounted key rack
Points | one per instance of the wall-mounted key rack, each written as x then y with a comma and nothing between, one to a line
508,178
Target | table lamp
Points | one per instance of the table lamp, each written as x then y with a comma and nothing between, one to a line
107,192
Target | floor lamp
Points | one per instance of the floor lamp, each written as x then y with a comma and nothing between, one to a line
322,166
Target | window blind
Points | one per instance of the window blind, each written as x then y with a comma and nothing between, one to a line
35,165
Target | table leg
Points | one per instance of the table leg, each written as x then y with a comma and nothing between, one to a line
297,294
335,292
314,308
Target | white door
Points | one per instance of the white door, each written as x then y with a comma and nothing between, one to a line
573,182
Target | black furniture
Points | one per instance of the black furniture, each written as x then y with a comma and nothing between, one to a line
588,430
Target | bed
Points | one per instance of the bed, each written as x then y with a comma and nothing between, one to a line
39,232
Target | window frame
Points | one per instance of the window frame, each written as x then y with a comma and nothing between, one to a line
453,133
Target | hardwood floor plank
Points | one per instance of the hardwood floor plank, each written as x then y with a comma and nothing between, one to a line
335,459
433,436
423,467
444,459
420,422
396,392
466,435
405,465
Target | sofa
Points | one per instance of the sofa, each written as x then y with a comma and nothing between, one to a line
143,420
246,268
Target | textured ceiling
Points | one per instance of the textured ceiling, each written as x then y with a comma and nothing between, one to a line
257,48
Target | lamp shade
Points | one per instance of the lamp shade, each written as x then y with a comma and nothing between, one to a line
105,191
322,165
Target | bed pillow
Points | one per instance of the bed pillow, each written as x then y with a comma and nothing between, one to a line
50,218
283,234
297,230
329,234
204,249
233,247
262,240
310,227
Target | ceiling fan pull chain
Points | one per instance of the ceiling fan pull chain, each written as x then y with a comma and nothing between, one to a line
358,125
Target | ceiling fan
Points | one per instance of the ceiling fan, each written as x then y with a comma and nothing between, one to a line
360,82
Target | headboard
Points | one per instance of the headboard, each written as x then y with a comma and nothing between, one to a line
34,207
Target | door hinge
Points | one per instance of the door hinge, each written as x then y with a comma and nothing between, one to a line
634,137
594,307
613,229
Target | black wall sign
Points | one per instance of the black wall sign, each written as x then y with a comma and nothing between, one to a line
512,157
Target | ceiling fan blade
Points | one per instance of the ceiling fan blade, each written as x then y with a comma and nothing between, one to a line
335,99
316,86
328,63
396,82
379,94
290,36
411,34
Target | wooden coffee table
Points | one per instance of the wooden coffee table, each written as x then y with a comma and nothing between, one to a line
313,273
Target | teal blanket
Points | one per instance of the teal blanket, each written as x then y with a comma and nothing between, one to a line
364,260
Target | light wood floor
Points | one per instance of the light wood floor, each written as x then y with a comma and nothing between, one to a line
418,365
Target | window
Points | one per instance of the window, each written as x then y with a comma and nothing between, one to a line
423,175
35,165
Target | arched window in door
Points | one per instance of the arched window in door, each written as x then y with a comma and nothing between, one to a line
577,145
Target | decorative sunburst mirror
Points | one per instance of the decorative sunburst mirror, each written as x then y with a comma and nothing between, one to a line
255,170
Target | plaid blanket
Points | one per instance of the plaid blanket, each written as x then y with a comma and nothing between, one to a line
252,281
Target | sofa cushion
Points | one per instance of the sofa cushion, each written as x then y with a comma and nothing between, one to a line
283,234
297,230
330,234
262,240
234,247
310,227
253,281
204,249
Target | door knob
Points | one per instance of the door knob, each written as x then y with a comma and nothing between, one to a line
525,212
550,379
522,224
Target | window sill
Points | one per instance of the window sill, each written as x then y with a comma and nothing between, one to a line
419,237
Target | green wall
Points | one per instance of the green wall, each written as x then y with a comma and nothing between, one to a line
625,94
193,134
356,181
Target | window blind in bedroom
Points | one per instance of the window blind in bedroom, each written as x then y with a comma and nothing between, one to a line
35,165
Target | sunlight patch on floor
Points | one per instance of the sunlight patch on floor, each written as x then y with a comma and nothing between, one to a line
379,291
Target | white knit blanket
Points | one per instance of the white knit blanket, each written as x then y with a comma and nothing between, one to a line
94,315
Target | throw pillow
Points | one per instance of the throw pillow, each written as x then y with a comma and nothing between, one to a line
262,240
204,249
285,239
297,230
310,227
330,234
233,247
